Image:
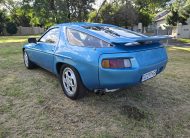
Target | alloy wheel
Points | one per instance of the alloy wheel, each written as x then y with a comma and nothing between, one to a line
69,81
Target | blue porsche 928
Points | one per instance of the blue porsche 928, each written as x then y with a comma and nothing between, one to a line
96,57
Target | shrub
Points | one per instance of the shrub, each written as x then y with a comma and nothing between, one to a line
1,28
11,28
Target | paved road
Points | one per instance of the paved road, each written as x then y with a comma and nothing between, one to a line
173,42
179,44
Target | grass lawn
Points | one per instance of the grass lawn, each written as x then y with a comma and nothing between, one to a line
183,40
32,103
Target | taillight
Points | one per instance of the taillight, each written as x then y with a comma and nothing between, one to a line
116,63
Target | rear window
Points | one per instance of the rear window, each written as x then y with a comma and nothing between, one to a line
112,31
77,38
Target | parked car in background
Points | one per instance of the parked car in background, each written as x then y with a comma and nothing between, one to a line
96,57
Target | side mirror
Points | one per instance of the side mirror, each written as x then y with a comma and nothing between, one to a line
32,40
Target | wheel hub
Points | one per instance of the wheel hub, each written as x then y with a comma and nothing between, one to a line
26,59
69,81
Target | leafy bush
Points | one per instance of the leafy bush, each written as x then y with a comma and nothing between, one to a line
1,28
3,20
11,28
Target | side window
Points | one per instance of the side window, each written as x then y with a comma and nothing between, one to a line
78,38
52,36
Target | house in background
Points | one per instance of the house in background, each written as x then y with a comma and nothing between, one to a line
160,19
162,28
160,23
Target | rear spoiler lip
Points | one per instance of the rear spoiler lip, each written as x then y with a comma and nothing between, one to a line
143,39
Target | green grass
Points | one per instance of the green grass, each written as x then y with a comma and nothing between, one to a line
40,99
3,133
15,39
32,103
183,40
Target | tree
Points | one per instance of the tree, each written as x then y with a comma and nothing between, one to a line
173,18
3,20
57,11
145,18
150,6
107,13
103,3
118,13
179,13
93,16
22,15
126,12
126,15
11,6
147,9
47,12
11,28
79,9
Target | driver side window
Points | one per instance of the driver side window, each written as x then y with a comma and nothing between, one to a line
52,36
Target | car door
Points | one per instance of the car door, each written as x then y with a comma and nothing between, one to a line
43,51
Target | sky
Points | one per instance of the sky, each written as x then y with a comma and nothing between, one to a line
99,2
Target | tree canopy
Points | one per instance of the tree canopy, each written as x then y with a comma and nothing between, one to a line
180,12
47,12
120,12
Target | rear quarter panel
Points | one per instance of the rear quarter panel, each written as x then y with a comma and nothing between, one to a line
84,59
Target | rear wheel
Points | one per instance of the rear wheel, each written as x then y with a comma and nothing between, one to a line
28,64
71,82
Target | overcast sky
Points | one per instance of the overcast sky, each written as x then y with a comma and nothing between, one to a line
99,2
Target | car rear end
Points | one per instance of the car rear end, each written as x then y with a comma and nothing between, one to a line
124,57
122,65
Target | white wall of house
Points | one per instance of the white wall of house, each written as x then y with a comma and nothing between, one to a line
160,23
183,31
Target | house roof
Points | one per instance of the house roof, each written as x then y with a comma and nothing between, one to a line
161,16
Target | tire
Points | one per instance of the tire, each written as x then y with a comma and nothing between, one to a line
28,64
71,83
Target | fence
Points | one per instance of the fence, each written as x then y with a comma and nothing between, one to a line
152,30
28,31
180,31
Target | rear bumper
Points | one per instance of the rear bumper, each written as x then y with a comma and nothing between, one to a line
142,62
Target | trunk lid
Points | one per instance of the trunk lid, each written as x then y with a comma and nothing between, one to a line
137,44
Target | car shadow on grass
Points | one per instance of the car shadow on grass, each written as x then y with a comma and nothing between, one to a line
127,102
136,102
125,99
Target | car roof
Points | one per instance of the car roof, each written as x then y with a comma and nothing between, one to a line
80,26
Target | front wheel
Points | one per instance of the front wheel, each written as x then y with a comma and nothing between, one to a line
71,82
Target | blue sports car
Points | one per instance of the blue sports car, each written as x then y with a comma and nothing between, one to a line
96,57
